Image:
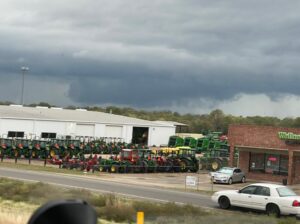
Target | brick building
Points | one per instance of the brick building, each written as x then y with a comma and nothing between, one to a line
265,152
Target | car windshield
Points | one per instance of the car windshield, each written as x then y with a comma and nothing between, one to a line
225,171
285,192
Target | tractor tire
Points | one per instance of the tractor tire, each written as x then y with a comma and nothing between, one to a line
102,169
151,166
114,168
52,153
168,166
201,167
183,166
160,168
176,167
128,169
80,167
215,165
122,169
144,167
194,169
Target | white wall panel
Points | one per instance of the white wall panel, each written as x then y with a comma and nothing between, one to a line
85,130
113,131
26,126
127,133
160,135
51,127
99,130
70,128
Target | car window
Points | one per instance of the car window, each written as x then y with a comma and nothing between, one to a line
237,171
285,192
264,191
248,190
225,171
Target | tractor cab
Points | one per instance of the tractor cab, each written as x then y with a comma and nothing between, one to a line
134,154
129,155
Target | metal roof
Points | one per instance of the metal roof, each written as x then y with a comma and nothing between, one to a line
81,116
170,123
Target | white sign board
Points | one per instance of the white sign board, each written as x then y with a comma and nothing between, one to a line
191,181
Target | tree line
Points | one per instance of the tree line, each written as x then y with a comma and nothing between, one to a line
216,120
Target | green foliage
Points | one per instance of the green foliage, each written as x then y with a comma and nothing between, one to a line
216,120
107,206
287,220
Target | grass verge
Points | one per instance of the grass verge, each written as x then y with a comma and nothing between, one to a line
26,197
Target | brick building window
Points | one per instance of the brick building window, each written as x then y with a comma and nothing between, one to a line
272,164
257,162
269,163
284,165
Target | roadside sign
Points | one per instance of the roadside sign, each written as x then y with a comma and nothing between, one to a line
191,181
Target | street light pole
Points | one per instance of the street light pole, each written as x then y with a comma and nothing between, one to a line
23,69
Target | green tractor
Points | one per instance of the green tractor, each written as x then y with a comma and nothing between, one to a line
188,160
104,165
134,160
180,159
214,159
3,149
213,140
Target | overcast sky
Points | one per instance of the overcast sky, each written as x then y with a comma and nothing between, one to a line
189,56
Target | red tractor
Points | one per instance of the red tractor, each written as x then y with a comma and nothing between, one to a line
80,163
132,160
90,163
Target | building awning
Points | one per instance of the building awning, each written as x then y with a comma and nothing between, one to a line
260,149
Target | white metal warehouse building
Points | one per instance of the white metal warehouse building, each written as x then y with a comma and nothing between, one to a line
43,122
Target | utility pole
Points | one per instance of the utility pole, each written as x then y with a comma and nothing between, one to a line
23,69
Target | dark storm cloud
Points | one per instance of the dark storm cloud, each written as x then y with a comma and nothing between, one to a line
154,53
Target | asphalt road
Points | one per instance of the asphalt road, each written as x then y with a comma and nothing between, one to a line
104,186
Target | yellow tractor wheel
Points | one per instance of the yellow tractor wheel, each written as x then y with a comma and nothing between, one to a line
215,166
52,153
183,166
113,169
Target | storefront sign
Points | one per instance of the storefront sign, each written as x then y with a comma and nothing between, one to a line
289,137
273,159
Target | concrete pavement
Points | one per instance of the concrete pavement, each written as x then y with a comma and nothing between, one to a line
106,186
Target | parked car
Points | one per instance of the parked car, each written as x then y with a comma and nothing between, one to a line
272,198
228,175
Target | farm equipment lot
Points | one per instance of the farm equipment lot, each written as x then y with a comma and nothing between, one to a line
162,180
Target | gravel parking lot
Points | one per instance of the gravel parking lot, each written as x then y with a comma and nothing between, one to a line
164,180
